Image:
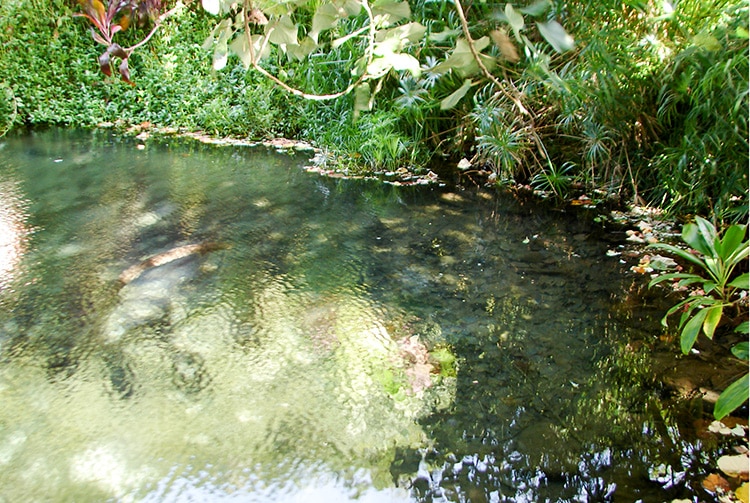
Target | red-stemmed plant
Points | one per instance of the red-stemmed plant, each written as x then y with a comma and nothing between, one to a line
110,17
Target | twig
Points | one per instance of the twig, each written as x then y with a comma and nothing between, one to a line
157,24
465,26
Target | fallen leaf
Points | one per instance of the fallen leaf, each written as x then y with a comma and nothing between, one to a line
716,426
661,263
714,482
464,164
735,466
742,493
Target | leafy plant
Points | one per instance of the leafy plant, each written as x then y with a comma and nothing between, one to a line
110,17
554,179
718,288
716,258
736,393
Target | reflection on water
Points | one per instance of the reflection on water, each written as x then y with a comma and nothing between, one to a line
290,338
13,232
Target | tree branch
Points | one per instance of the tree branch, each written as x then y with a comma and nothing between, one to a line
465,26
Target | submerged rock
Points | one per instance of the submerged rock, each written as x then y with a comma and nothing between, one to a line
133,272
149,298
152,288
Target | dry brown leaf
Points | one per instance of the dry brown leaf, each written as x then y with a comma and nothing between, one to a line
714,482
735,466
506,45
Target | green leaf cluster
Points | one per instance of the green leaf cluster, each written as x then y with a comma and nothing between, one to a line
715,259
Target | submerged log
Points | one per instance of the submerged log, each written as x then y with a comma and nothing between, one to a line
134,271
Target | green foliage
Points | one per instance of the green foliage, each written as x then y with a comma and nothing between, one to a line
736,393
651,102
49,63
555,180
716,259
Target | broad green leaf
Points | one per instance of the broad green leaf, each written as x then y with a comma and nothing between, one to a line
377,68
410,32
325,18
362,98
713,317
241,48
537,8
221,28
282,31
688,305
221,55
733,397
387,46
556,36
692,236
394,11
515,18
714,268
444,35
674,275
388,61
741,281
692,329
221,50
212,6
452,100
706,41
461,59
404,62
679,252
732,240
304,49
709,286
739,254
710,236
351,7
741,350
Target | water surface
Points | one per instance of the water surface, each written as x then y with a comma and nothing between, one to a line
334,341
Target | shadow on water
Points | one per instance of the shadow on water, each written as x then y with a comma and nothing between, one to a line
285,337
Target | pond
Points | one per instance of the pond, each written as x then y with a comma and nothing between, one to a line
195,323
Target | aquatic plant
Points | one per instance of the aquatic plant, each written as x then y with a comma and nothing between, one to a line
715,290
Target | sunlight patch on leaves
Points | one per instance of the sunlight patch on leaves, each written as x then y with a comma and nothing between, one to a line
556,36
452,100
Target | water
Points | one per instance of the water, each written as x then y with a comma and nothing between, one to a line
307,339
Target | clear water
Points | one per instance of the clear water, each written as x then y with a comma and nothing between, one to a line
339,341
